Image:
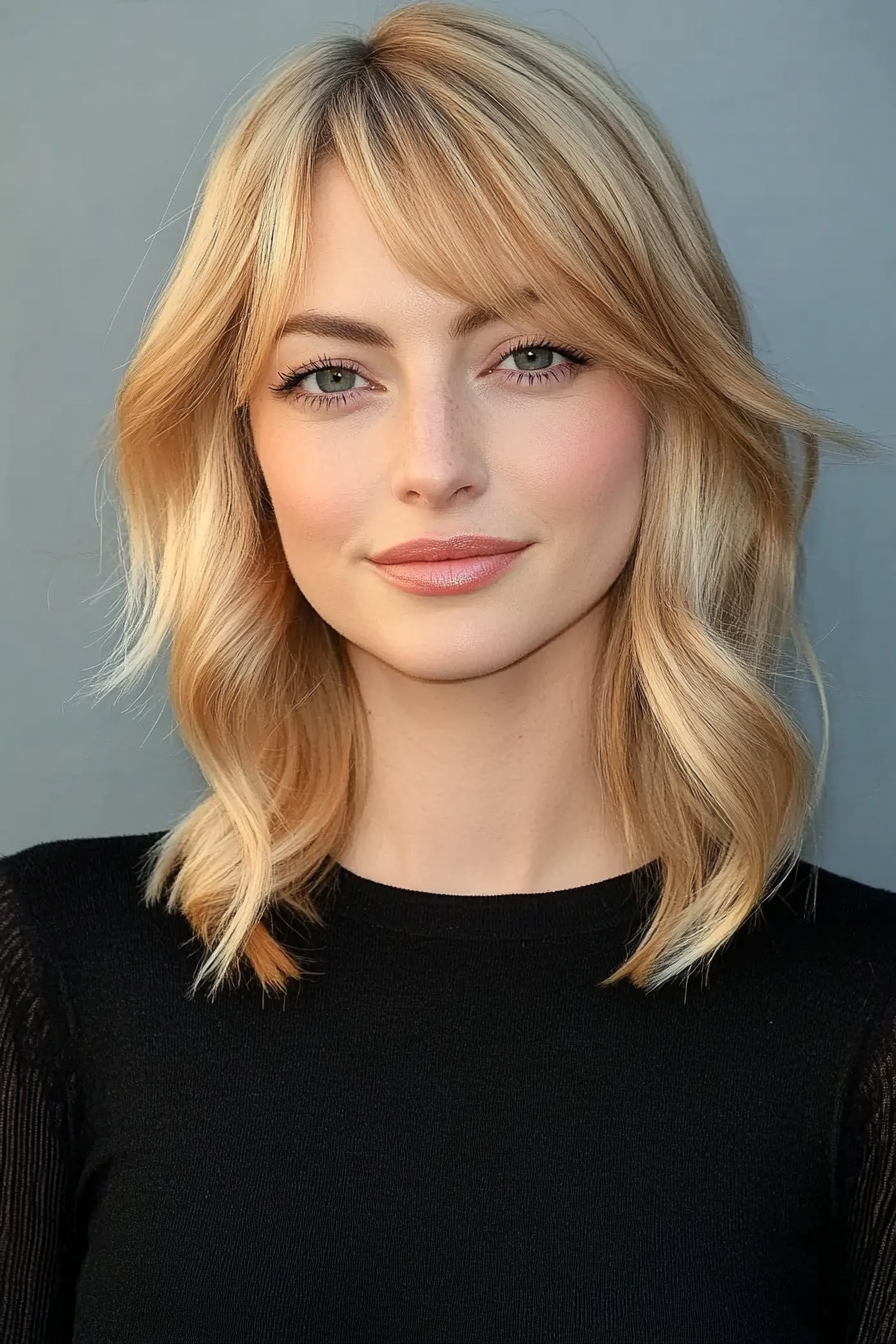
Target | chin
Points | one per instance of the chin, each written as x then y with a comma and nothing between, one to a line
457,662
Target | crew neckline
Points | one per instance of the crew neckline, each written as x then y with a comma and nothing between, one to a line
545,914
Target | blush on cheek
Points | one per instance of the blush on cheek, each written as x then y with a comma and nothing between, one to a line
328,516
318,494
316,502
596,462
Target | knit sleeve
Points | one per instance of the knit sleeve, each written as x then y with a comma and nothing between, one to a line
36,1116
867,1189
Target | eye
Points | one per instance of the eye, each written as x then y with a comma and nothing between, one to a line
334,375
336,372
536,357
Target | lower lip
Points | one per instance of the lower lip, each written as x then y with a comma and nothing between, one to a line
448,576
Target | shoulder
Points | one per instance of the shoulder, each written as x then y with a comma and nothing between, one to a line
74,859
824,908
62,891
821,942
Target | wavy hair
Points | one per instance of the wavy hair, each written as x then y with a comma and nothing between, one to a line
448,112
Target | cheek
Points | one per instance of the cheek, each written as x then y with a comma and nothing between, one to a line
595,470
319,498
321,508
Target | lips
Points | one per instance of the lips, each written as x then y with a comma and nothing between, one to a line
439,578
446,548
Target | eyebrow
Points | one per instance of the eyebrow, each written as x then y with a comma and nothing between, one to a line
313,323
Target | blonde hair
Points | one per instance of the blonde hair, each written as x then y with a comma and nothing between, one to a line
449,112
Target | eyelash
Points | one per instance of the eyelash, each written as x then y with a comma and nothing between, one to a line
289,381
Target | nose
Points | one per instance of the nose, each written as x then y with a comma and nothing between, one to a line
438,448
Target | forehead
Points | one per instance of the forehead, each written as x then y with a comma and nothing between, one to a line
344,246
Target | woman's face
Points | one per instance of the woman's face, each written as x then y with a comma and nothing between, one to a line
431,436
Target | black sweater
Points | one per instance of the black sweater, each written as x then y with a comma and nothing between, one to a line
449,1132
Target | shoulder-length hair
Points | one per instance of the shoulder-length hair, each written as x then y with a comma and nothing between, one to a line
541,159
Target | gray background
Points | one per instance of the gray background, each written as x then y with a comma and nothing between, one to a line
784,113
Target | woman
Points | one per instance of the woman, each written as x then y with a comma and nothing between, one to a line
448,469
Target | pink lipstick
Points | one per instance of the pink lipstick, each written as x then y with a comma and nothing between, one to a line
459,564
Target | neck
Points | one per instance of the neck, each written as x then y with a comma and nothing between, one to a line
486,784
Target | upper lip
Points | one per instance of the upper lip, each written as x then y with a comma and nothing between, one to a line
446,548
